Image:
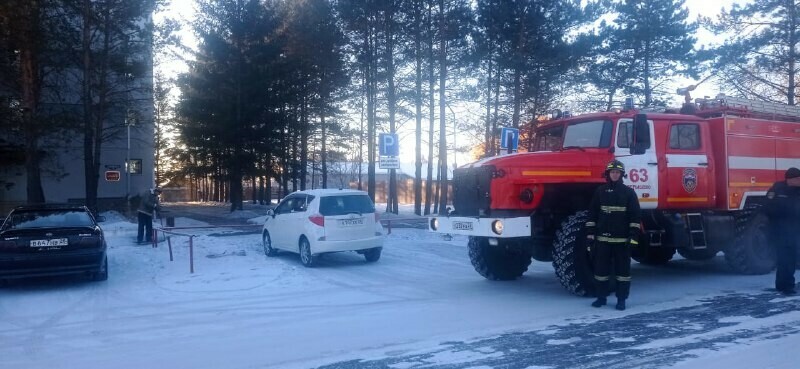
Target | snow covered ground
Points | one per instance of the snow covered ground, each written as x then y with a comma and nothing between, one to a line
421,305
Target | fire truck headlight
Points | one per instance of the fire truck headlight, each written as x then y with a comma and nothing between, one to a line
434,224
497,227
526,196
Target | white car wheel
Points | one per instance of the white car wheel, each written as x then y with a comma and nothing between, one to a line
305,253
267,242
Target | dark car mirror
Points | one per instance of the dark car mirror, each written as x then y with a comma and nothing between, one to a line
100,219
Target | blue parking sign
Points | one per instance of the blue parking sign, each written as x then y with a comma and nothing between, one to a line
509,138
388,144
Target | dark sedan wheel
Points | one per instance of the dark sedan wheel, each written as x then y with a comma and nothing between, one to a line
102,274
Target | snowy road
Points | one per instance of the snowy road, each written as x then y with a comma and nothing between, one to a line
421,305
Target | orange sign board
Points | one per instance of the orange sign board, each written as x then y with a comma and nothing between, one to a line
112,175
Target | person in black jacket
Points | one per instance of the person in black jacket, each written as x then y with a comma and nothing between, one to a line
147,207
783,211
613,226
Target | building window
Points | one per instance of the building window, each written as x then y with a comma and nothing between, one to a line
135,166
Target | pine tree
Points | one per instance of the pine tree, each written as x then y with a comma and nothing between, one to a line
761,58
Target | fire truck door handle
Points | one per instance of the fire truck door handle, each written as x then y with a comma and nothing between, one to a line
653,163
703,164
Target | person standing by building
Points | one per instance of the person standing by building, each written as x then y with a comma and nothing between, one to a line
783,211
147,206
612,229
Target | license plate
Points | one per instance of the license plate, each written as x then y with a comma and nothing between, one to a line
46,243
462,226
351,222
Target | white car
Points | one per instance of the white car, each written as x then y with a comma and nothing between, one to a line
321,221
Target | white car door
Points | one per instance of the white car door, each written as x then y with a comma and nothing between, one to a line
278,225
295,222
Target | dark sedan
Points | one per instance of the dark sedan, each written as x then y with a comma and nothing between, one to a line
47,240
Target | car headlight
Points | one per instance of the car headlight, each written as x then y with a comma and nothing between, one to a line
497,226
434,224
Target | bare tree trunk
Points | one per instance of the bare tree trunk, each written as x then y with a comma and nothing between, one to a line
792,29
303,141
31,90
442,105
371,76
324,153
488,133
88,101
496,119
429,198
391,202
361,141
418,106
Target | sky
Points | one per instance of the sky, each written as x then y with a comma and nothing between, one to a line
184,10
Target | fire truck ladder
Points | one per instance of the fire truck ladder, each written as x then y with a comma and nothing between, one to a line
763,107
697,233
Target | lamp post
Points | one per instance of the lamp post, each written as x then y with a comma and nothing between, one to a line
130,120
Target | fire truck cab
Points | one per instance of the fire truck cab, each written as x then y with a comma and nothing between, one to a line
699,179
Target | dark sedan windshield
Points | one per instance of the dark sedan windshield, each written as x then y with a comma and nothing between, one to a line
48,218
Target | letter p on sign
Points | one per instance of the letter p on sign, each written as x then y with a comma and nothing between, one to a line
388,144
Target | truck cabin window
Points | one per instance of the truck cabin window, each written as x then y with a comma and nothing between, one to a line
549,139
594,133
684,136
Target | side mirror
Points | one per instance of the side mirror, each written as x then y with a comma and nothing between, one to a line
641,135
100,219
271,213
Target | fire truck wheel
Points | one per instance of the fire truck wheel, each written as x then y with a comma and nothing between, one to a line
700,255
654,255
570,258
503,262
751,252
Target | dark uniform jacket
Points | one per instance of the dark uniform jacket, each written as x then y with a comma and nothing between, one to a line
614,214
783,206
149,203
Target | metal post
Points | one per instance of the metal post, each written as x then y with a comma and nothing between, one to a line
191,254
389,226
127,163
169,243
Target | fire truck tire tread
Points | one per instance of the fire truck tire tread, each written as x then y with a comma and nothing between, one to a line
744,254
497,263
570,259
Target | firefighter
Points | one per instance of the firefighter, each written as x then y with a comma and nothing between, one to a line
783,211
612,228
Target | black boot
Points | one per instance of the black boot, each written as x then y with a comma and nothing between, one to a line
599,302
620,305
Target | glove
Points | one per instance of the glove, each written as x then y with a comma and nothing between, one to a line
633,242
589,244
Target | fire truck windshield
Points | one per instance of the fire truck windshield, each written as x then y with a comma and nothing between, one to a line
595,133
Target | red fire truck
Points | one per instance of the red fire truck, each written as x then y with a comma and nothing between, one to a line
700,179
